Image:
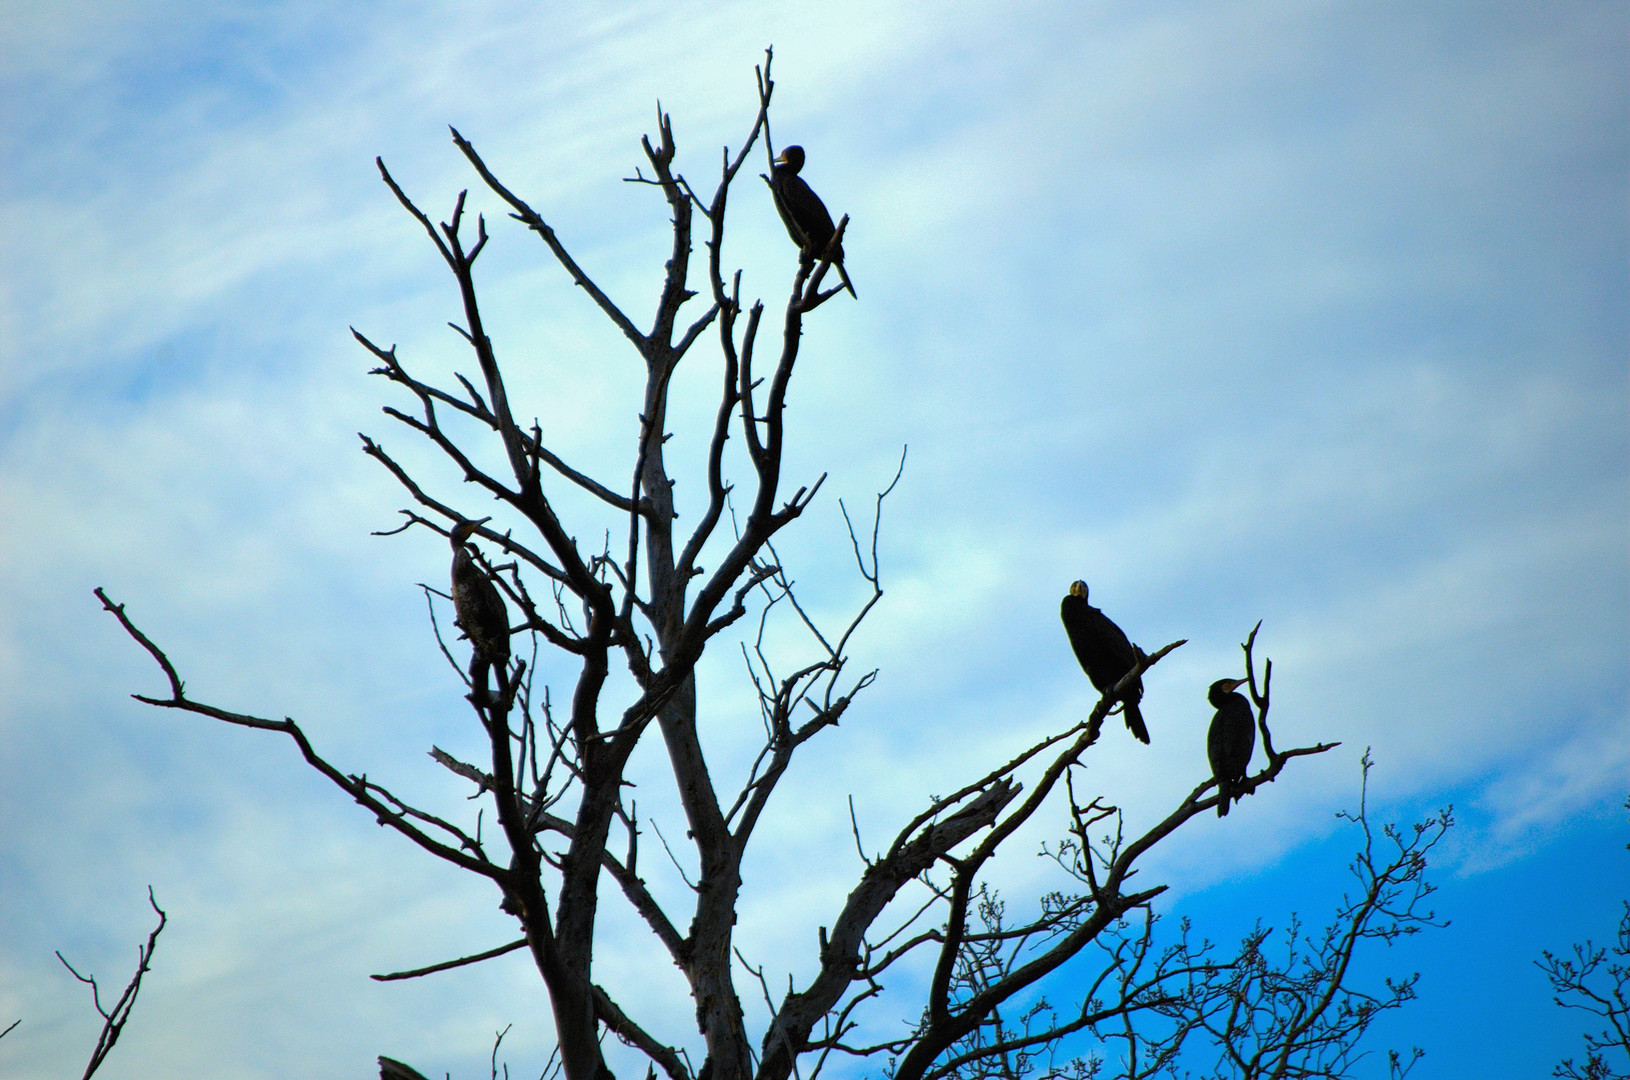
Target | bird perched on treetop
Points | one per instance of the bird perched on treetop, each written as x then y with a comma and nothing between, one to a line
1230,741
480,610
391,1069
1105,653
807,221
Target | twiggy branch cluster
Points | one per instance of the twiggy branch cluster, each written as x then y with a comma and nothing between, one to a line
557,781
1294,1011
1289,1010
1596,979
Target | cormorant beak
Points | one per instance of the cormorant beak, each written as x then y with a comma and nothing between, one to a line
464,529
780,159
1078,588
1234,684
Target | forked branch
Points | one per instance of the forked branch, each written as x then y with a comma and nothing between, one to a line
114,1019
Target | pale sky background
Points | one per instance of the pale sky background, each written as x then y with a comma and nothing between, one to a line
1313,313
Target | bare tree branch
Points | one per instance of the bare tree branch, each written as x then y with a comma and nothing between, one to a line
114,1019
355,786
448,965
530,218
634,1035
477,409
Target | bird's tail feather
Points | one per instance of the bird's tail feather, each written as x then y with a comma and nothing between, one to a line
480,669
1134,722
847,284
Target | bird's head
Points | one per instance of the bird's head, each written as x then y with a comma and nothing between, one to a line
1078,589
1222,688
461,532
792,157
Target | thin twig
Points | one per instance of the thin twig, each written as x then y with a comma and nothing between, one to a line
448,965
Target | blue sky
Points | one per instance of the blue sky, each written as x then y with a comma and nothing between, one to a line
1312,313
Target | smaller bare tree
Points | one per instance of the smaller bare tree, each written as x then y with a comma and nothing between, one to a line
1289,1010
1596,979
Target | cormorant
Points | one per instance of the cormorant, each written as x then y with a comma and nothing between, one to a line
391,1069
480,610
1231,740
1105,653
807,221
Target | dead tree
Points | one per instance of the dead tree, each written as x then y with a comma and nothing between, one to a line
652,603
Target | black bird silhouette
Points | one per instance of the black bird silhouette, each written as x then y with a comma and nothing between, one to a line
1230,741
391,1069
1104,652
805,216
480,610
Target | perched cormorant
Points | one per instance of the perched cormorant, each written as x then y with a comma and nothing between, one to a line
480,610
807,221
1105,653
391,1069
1231,740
